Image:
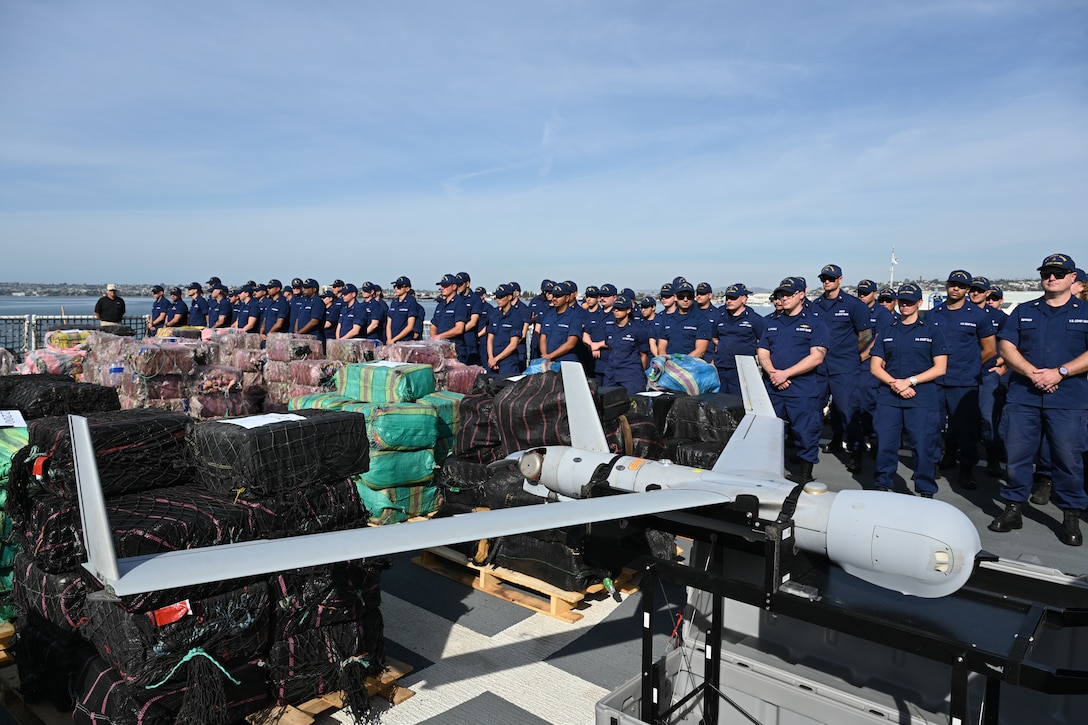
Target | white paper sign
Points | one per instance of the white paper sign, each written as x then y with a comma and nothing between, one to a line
11,419
256,421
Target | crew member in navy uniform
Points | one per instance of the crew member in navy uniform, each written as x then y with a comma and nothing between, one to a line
562,328
791,350
219,309
295,300
886,299
704,295
110,308
663,320
404,312
311,311
177,314
159,306
736,332
249,311
1045,345
504,330
538,307
351,323
598,323
990,389
629,349
377,313
472,324
486,311
278,311
847,320
971,339
880,317
337,302
450,315
689,332
907,358
198,305
647,318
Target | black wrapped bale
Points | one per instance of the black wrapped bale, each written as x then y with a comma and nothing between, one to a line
50,662
42,398
316,597
554,562
612,402
711,417
478,438
282,453
60,599
168,644
532,412
335,658
634,435
698,454
505,488
323,506
8,383
103,696
135,449
463,482
656,405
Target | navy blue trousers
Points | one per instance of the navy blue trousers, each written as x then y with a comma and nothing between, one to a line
1064,433
960,407
844,409
805,416
923,426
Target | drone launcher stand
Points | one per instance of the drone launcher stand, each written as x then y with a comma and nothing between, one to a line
852,652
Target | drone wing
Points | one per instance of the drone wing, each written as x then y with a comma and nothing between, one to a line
231,561
757,446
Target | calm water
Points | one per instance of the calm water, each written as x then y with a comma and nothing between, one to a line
66,305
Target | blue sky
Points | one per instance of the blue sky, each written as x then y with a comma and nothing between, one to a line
626,142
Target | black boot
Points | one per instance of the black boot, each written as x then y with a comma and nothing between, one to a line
948,460
833,446
802,476
967,478
1041,495
1070,534
993,465
854,463
1009,519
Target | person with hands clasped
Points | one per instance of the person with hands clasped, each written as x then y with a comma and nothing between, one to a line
907,357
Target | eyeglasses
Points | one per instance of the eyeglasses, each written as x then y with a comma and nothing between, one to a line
825,278
1056,273
958,285
685,296
978,291
908,303
666,296
885,300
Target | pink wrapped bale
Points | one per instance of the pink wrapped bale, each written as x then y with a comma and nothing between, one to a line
459,378
278,394
160,387
351,351
436,353
109,372
252,380
286,347
177,405
315,373
215,379
220,405
250,361
296,391
276,371
170,358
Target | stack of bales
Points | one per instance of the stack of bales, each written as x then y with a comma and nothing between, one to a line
209,653
63,354
291,357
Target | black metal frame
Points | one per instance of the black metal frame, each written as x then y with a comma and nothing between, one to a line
1015,607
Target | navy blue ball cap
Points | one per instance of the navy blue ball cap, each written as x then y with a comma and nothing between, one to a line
194,285
310,283
667,290
909,292
608,290
175,292
503,290
545,284
480,290
261,288
628,293
647,302
996,293
572,284
327,295
297,282
156,288
622,303
685,287
463,277
886,294
734,291
831,271
1058,261
213,281
677,281
1080,275
350,289
960,276
866,286
247,288
402,281
790,286
447,279
337,283
981,283
514,286
567,287
274,283
704,288
221,287
593,291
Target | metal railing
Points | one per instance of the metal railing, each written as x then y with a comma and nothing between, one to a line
22,333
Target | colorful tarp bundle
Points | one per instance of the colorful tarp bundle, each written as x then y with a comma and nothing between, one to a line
385,382
66,339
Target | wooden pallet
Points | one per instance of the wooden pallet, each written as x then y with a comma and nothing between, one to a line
384,685
513,586
7,631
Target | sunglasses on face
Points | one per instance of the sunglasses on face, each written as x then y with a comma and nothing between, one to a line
977,291
685,296
886,300
957,285
1056,273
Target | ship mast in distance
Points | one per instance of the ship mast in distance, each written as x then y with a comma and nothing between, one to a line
891,270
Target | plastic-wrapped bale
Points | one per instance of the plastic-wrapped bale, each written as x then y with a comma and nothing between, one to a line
634,435
398,468
57,598
216,379
447,405
11,440
7,361
39,399
505,488
67,339
148,648
315,373
176,405
463,482
278,393
8,383
352,350
231,341
461,378
435,353
164,358
656,404
186,332
532,412
297,391
362,408
105,346
612,402
385,382
263,455
553,562
335,658
110,373
711,417
135,449
396,504
317,508
697,454
159,387
50,661
277,371
402,427
102,696
249,361
285,347
212,406
478,437
306,599
319,401
56,362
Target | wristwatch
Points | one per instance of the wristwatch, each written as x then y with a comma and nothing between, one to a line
1063,371
912,380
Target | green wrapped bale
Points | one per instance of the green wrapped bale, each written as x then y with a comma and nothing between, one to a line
11,440
356,407
385,382
398,468
402,427
396,504
319,401
447,404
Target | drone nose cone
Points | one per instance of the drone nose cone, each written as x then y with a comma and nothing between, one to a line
531,465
